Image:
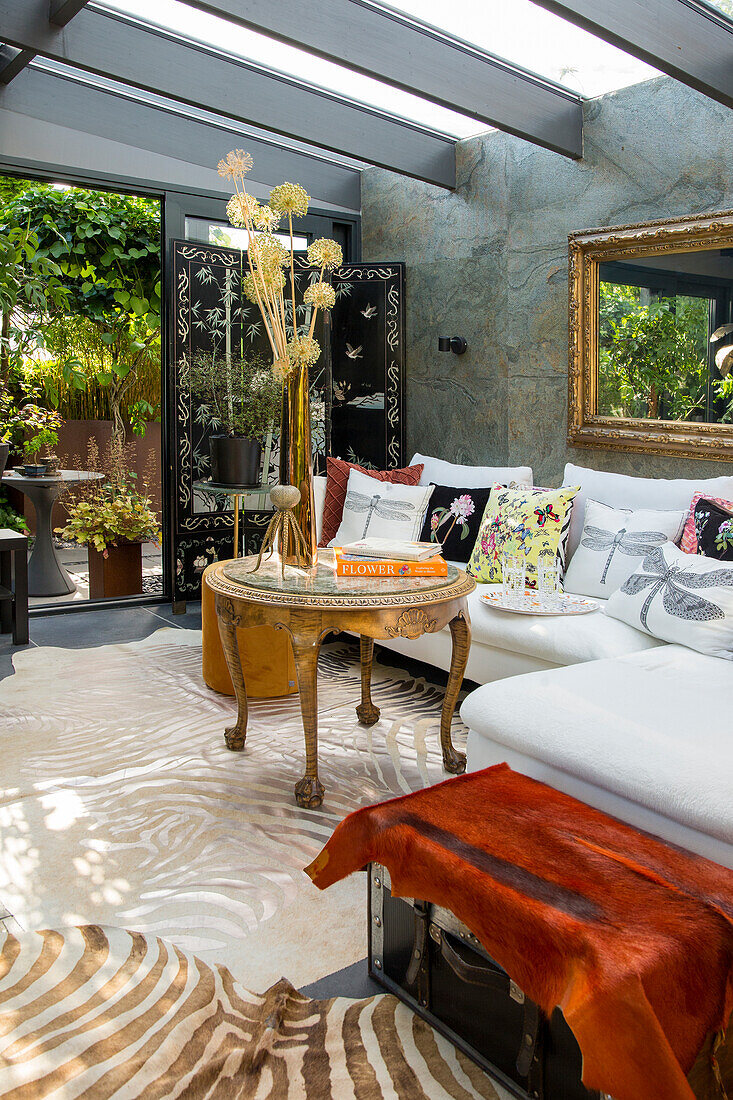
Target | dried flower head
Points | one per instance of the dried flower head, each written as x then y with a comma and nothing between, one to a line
281,368
320,295
268,285
265,218
303,350
235,165
241,208
325,253
269,254
290,198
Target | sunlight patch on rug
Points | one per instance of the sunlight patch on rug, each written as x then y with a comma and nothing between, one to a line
120,804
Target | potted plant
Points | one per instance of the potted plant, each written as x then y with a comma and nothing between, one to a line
112,519
242,398
45,438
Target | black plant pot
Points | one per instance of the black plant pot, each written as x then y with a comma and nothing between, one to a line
4,452
235,460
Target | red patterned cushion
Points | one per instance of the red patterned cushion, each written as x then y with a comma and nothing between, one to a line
688,542
337,475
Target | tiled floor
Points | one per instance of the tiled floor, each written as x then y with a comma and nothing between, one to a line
83,629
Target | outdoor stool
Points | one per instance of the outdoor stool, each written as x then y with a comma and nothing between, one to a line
14,585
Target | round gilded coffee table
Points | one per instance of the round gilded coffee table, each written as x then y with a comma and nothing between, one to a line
310,605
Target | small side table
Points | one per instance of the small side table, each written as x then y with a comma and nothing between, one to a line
14,585
308,605
236,493
46,574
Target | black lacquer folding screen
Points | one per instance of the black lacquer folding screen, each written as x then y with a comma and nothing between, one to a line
358,390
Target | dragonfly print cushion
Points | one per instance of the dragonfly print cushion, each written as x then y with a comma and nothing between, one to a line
678,597
337,479
381,509
613,543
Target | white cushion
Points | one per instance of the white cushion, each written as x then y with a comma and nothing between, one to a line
438,472
622,491
683,598
381,508
613,543
632,725
319,501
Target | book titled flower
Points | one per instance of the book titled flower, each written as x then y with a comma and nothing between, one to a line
350,565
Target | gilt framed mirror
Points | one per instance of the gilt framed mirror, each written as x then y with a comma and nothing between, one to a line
651,337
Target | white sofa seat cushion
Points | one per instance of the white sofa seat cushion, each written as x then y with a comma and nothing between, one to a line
436,471
556,639
646,727
622,491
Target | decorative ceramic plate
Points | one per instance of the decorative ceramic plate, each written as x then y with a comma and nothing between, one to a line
569,605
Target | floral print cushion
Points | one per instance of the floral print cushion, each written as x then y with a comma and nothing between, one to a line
453,520
524,523
714,529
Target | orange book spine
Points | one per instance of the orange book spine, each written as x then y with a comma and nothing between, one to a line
361,567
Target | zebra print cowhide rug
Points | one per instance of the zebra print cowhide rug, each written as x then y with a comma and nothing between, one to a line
120,804
101,1013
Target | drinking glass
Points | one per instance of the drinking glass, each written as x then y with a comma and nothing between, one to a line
513,572
548,582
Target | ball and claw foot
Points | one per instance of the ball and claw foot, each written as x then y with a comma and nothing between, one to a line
233,739
454,761
368,714
309,792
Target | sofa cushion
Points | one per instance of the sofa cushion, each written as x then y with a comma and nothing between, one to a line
714,529
381,509
453,520
630,725
622,491
556,639
683,598
613,543
337,478
436,471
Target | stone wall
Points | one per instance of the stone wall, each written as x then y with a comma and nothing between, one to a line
489,262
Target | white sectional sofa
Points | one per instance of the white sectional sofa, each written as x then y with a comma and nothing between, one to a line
636,727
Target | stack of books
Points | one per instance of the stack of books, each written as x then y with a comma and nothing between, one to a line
377,558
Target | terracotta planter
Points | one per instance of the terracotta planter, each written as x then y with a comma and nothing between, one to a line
119,574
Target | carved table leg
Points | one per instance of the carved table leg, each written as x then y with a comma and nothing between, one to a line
234,736
366,712
309,790
453,760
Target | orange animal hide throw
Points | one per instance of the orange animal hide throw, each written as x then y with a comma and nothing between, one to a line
630,937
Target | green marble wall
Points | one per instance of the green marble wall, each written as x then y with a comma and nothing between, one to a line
489,262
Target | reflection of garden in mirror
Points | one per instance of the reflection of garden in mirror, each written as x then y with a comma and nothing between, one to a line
656,318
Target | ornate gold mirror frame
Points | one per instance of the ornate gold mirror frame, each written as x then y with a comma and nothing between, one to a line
587,250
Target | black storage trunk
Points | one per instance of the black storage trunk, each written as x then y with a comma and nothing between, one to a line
432,962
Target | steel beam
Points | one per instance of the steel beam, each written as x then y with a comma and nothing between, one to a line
77,103
12,62
61,11
683,38
409,54
144,56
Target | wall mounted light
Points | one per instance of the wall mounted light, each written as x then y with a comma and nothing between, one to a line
456,344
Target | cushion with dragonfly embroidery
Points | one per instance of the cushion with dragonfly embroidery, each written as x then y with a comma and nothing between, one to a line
381,509
613,542
678,597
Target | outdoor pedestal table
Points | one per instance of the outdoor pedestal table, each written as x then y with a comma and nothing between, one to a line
310,604
46,574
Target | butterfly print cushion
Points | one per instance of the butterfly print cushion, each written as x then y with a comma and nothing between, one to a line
453,520
714,529
678,597
613,543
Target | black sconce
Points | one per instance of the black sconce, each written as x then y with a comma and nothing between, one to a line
456,344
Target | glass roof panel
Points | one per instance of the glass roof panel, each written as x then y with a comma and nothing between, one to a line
231,39
534,39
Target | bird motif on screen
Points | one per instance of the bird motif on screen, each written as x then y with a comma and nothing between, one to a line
354,353
369,312
377,505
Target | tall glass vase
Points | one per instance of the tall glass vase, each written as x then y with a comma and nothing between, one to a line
296,456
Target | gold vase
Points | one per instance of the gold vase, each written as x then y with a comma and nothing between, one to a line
296,457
